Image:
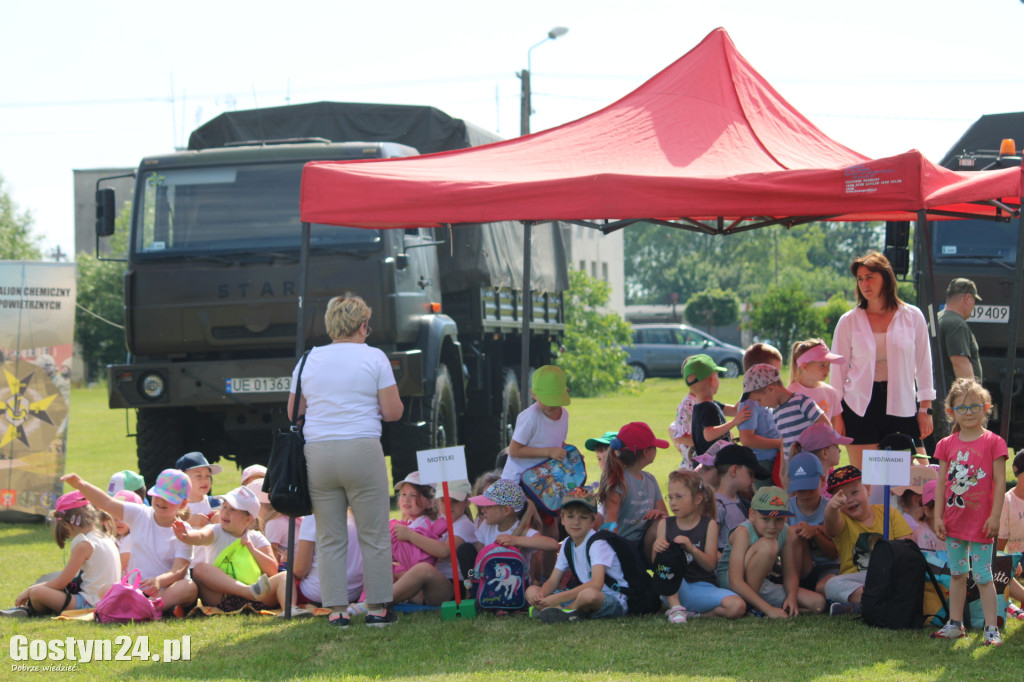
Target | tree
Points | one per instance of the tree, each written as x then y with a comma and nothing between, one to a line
99,320
712,308
830,313
17,242
594,360
781,316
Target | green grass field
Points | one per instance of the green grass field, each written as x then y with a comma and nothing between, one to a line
488,648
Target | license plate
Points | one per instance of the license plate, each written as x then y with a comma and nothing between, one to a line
258,384
999,314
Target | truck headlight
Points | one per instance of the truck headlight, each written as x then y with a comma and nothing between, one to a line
152,385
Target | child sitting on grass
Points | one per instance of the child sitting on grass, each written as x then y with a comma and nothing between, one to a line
1011,533
823,441
592,598
753,549
855,526
499,507
631,496
159,556
709,424
815,553
686,553
200,473
737,468
93,553
925,535
240,558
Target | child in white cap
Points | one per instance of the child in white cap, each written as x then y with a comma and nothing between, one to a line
240,558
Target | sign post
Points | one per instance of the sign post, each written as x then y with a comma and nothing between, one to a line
887,468
440,466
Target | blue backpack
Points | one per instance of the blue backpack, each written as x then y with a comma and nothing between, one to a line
499,578
546,483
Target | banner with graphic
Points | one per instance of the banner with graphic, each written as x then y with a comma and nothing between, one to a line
37,326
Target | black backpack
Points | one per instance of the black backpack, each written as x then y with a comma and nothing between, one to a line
893,595
641,595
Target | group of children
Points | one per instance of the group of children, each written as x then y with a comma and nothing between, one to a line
769,526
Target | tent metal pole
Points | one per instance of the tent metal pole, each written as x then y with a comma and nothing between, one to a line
1005,411
933,326
300,348
526,312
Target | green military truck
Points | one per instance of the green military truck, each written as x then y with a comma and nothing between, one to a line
213,277
986,252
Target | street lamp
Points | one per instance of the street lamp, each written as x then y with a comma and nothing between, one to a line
526,108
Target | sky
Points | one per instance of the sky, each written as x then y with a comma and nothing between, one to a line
103,83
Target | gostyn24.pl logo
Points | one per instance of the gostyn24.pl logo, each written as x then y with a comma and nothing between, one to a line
29,652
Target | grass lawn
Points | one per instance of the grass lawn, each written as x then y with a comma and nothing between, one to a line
488,648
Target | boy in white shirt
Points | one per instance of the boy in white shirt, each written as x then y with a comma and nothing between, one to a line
592,598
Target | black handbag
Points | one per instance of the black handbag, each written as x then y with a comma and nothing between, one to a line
286,482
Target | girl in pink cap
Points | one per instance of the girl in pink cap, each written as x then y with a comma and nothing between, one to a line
93,553
809,367
631,497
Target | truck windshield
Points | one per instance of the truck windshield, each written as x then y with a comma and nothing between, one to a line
227,209
975,239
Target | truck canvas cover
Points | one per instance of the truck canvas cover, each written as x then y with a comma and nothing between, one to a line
480,255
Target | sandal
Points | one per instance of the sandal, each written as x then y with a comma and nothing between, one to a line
676,615
338,619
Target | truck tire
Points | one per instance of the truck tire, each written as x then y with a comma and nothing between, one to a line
159,441
444,430
486,436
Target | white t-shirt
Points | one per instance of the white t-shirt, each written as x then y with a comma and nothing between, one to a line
222,539
102,569
204,508
463,528
535,430
276,530
486,534
154,548
602,554
311,583
340,383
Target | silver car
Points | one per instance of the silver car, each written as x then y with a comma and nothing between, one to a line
660,349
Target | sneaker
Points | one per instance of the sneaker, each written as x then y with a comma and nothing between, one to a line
390,616
16,612
179,611
338,619
553,614
992,636
676,615
357,609
260,587
838,609
756,613
951,631
1014,611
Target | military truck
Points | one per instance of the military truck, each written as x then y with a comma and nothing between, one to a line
213,274
984,251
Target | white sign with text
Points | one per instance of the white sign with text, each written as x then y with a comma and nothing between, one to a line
887,467
442,464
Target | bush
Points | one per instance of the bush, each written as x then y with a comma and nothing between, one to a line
712,308
594,360
781,316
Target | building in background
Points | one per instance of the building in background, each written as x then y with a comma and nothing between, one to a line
601,256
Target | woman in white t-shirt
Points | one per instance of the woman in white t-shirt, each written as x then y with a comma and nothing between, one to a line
348,388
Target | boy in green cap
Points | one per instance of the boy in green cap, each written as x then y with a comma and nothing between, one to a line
701,374
599,446
541,429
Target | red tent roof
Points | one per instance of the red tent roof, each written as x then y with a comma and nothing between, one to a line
706,139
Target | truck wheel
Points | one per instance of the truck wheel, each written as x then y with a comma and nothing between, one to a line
486,436
443,420
159,441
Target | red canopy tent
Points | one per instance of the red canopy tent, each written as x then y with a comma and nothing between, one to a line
707,143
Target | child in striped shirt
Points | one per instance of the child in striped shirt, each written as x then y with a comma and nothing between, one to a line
793,412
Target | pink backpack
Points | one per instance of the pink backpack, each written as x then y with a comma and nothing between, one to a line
125,603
